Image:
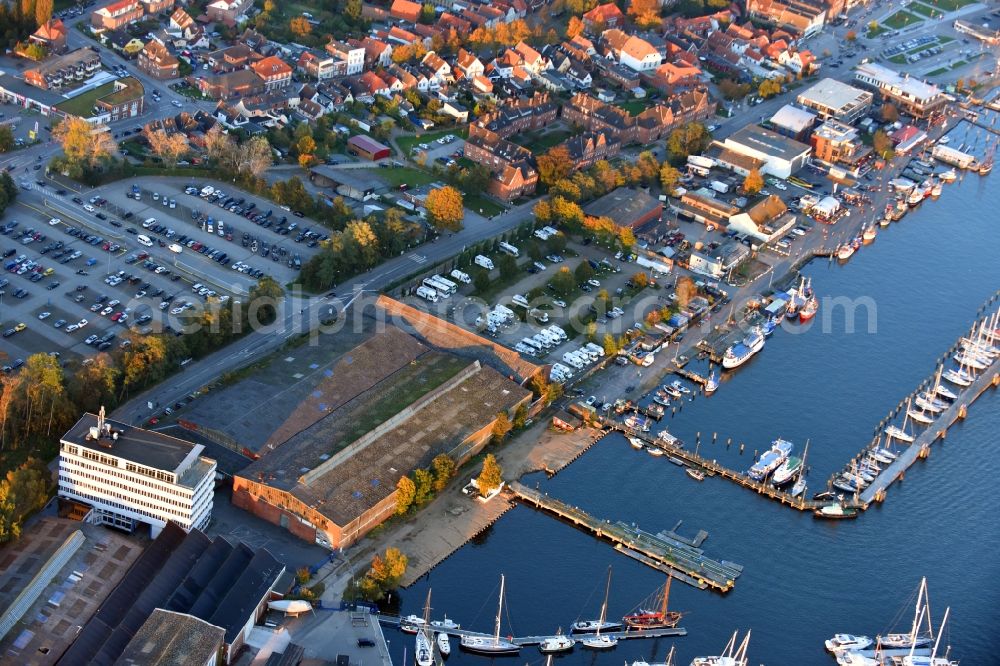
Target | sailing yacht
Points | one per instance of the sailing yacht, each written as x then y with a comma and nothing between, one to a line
644,618
598,641
712,383
800,483
916,637
591,626
958,377
492,644
668,662
845,642
895,432
933,659
423,651
972,360
919,416
731,656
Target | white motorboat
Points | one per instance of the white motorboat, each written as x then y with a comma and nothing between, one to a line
948,176
678,386
741,352
898,433
712,384
655,451
557,643
444,644
636,443
845,251
492,645
845,642
445,624
411,624
671,391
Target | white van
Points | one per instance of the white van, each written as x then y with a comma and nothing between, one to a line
485,262
149,222
597,349
144,240
427,294
207,191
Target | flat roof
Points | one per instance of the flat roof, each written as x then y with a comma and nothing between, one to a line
912,87
765,141
167,638
145,447
793,118
625,205
366,183
834,94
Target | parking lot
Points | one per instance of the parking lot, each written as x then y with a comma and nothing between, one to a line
77,277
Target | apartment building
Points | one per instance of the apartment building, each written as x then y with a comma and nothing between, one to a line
64,70
116,15
132,477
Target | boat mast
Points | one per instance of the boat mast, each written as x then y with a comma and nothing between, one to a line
937,641
802,467
741,653
666,595
913,644
496,631
604,606
918,609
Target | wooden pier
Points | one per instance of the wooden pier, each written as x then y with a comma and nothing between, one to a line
665,632
715,469
660,551
920,448
689,375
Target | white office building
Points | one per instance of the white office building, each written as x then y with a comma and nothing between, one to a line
132,476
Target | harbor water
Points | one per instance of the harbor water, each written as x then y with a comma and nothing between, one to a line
923,278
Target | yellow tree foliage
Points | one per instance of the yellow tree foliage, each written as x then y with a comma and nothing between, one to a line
754,182
169,147
300,26
444,208
83,143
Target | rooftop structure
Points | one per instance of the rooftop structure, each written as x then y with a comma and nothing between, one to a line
173,639
130,475
64,70
916,97
214,580
833,99
793,121
627,207
782,156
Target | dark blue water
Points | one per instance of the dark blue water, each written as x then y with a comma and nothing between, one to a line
804,579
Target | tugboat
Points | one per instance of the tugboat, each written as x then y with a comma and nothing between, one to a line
654,619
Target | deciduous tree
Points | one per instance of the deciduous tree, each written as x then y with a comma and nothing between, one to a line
669,177
168,147
753,183
444,470
491,476
501,426
423,482
83,144
554,165
406,492
444,208
300,26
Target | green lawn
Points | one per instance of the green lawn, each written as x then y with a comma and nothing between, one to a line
877,31
539,142
481,204
902,19
396,176
636,106
899,59
938,72
406,143
83,104
949,5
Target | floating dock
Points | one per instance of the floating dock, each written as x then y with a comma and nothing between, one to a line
659,551
393,621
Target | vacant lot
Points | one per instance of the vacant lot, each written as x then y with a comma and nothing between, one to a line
902,19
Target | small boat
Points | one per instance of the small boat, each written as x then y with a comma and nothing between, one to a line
971,360
827,495
948,176
655,451
671,391
445,624
411,624
787,472
678,386
869,234
846,484
444,644
645,618
898,433
557,643
661,399
637,422
915,197
492,645
836,512
985,167
599,641
944,140
929,403
423,652
712,383
844,252
597,626
669,439
881,456
936,189
695,474
919,416
636,443
668,662
732,655
885,221
654,411
958,377
945,392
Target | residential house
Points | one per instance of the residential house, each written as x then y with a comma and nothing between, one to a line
377,52
230,85
352,55
320,66
228,11
157,61
510,164
406,10
630,51
182,26
275,72
116,15
468,64
238,56
64,70
909,94
51,35
603,17
673,76
766,220
797,62
533,61
805,17
437,68
154,7
587,148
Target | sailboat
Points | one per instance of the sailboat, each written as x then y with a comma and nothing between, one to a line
896,432
423,652
731,656
933,659
590,626
597,641
644,618
915,638
800,483
492,644
919,416
668,662
444,644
